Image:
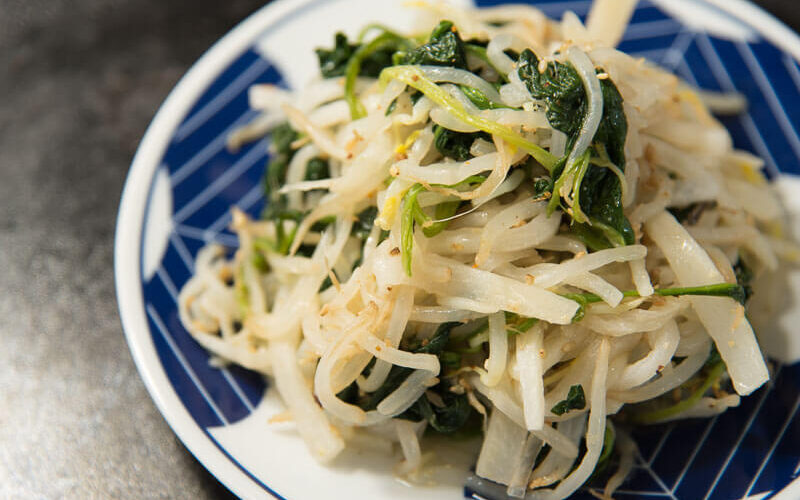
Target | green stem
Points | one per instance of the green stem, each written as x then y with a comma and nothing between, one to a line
651,417
407,225
731,290
413,77
582,167
386,39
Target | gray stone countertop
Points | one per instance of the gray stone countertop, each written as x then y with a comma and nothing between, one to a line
79,82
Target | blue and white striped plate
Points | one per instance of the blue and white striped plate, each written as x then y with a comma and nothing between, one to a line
183,182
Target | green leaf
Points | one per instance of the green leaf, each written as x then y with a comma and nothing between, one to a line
560,87
398,374
369,60
596,190
332,62
364,223
576,400
744,277
282,138
444,48
444,419
690,214
479,99
455,145
317,169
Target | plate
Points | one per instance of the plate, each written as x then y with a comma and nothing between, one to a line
183,182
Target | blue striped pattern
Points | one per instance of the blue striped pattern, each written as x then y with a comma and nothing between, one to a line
207,180
746,451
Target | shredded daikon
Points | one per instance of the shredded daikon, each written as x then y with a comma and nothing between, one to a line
442,240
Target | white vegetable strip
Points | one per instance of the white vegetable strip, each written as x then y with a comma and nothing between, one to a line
671,377
461,77
663,343
547,276
445,173
503,443
397,323
311,421
723,317
497,292
498,350
409,443
555,465
594,434
406,394
518,483
641,279
530,351
594,101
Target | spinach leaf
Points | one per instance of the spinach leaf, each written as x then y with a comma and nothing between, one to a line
744,277
601,201
444,48
444,419
576,400
364,223
691,213
333,62
455,145
398,374
613,127
596,188
317,169
281,138
276,208
542,188
561,89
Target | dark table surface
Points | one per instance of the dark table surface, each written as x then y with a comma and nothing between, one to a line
80,80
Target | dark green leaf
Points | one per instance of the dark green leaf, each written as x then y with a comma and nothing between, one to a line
444,48
560,87
690,214
601,201
744,277
598,188
317,169
443,419
455,145
542,188
363,225
282,138
332,62
398,374
576,400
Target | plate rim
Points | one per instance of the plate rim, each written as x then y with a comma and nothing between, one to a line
134,202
